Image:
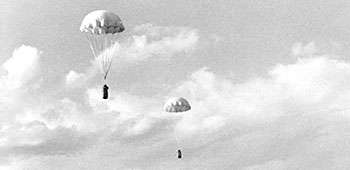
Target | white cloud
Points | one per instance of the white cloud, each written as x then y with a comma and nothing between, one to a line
47,129
300,50
314,49
295,118
278,122
22,66
133,110
157,41
283,116
63,112
35,138
73,77
19,79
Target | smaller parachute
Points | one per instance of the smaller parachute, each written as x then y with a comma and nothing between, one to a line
177,104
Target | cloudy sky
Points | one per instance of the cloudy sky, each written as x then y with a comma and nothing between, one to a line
268,81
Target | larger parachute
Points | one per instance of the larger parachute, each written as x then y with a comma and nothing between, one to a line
101,28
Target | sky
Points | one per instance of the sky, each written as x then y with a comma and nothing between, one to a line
268,82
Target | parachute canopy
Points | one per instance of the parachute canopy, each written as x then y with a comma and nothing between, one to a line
177,104
100,28
102,22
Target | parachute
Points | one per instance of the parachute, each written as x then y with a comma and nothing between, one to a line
174,105
100,29
177,104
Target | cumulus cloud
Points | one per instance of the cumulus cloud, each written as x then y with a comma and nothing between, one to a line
295,118
22,66
35,138
56,129
73,77
19,77
62,127
280,122
133,112
157,41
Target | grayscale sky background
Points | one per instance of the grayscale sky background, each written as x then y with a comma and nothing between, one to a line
268,81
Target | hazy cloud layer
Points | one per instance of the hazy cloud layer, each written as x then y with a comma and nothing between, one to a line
295,118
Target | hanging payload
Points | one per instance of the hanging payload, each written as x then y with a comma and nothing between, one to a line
101,28
174,105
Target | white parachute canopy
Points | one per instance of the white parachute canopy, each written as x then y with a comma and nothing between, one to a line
177,104
101,28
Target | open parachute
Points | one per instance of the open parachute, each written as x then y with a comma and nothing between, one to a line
174,105
177,104
101,28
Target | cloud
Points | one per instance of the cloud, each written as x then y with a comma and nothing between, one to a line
19,79
54,129
35,138
278,122
300,49
270,123
73,77
22,66
133,112
330,49
297,117
157,41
